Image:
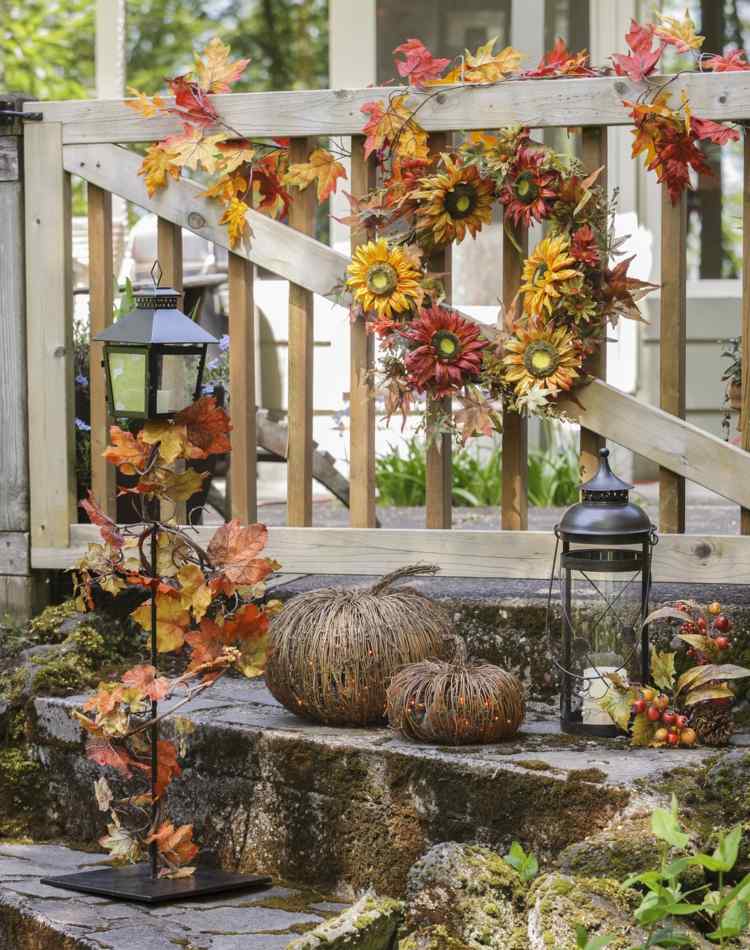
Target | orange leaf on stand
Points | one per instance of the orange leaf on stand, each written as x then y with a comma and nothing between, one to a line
168,766
233,550
146,679
107,527
171,438
176,844
207,426
172,620
129,454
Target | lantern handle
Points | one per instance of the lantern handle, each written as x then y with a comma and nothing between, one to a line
156,274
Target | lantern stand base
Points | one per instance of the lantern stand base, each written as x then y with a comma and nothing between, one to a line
135,883
576,727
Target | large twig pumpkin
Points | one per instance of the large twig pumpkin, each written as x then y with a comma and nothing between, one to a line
460,702
332,652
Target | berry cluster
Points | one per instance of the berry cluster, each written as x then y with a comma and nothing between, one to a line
716,637
674,729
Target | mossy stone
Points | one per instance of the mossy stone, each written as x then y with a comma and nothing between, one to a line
370,924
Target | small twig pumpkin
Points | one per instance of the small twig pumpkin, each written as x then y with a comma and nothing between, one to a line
455,703
332,652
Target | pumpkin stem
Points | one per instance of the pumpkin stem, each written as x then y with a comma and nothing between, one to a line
410,571
460,650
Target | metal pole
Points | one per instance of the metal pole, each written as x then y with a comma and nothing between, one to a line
153,848
567,633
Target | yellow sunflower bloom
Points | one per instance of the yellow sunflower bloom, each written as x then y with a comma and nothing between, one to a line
453,202
543,356
383,279
543,273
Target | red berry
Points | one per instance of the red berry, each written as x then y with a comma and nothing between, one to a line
654,713
722,642
687,628
639,706
682,721
702,623
669,718
673,738
722,623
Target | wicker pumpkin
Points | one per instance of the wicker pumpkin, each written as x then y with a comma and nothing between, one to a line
455,703
332,652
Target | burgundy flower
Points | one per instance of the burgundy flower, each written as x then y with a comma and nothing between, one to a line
448,352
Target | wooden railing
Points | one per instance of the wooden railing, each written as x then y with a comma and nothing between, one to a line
76,138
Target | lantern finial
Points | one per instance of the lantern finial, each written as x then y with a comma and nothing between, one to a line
156,274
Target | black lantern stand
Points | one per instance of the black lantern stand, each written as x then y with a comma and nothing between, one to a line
142,384
604,536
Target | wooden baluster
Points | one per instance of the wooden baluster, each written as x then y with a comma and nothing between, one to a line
672,340
515,438
242,390
439,475
49,337
362,351
300,370
745,329
169,253
594,148
101,300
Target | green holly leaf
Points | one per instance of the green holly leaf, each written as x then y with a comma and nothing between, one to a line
662,670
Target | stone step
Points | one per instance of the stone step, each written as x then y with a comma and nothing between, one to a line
34,916
344,809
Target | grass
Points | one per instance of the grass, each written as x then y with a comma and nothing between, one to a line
477,480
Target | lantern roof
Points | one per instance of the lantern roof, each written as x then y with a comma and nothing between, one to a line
605,483
146,326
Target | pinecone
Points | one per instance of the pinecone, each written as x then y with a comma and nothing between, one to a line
713,722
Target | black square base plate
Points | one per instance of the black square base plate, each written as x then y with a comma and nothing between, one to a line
134,883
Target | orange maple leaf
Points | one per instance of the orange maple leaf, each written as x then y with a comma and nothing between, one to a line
176,844
233,550
146,679
143,105
215,71
393,127
126,452
235,152
168,766
107,527
322,167
207,426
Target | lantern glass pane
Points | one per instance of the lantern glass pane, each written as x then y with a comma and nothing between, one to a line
128,374
176,381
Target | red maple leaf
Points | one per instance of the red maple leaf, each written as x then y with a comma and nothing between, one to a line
168,766
735,61
191,103
107,527
145,678
208,426
105,754
419,65
275,198
708,130
561,62
642,60
247,624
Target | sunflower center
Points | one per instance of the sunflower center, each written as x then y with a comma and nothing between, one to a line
526,188
540,273
541,359
447,346
461,201
382,279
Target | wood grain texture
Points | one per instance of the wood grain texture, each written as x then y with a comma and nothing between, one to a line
242,461
594,156
49,333
439,463
22,597
101,291
289,254
745,328
10,158
362,356
672,343
514,511
14,552
535,103
300,396
680,558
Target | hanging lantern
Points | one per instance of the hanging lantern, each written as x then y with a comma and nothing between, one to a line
605,543
154,356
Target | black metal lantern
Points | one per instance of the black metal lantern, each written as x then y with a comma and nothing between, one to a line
605,579
154,356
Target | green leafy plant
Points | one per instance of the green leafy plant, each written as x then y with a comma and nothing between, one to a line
526,864
584,942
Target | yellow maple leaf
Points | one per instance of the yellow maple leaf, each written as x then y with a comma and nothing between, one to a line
195,594
155,167
320,166
181,486
487,66
253,653
172,438
233,153
192,148
172,621
143,104
680,33
215,72
225,188
236,221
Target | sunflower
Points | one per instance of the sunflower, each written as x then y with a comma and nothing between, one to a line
528,193
453,202
384,279
448,352
543,273
543,356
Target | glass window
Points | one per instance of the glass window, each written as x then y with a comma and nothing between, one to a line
127,373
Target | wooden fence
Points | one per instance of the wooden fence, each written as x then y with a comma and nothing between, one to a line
77,138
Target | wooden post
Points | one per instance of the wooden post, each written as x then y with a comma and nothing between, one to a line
745,330
49,337
439,474
300,370
101,291
242,389
672,338
514,514
594,156
362,354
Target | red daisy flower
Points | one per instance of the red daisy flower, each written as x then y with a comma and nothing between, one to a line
448,352
583,246
528,192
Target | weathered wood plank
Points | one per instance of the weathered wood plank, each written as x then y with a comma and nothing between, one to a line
49,334
290,254
745,329
362,355
22,597
301,342
14,552
672,342
680,558
514,510
101,292
535,103
243,478
10,165
594,144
